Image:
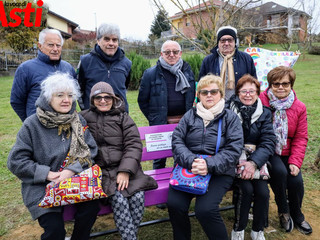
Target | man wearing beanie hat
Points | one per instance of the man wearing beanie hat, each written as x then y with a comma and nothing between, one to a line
227,61
107,63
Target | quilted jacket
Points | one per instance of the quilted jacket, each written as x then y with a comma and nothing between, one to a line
297,130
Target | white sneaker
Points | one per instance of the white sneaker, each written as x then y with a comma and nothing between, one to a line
257,235
237,235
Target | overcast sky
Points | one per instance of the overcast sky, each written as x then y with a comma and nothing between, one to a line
134,17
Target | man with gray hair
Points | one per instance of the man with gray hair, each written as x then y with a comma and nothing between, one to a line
29,75
167,90
106,62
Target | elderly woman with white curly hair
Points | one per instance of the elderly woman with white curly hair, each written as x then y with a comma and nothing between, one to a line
42,145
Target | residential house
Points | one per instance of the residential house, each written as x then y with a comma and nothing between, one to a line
64,25
200,15
269,22
276,21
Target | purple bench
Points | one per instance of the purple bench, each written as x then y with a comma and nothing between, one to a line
152,197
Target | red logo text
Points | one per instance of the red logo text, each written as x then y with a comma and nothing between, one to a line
14,19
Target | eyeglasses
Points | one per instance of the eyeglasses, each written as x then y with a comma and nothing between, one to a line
213,92
224,40
105,98
245,92
168,52
283,84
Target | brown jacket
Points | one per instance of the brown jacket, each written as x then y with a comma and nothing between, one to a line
120,149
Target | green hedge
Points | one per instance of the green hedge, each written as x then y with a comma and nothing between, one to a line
195,63
139,65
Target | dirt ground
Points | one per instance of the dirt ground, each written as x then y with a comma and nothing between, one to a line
311,210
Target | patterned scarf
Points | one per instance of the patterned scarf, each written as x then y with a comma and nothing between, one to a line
227,65
182,84
208,115
71,125
280,119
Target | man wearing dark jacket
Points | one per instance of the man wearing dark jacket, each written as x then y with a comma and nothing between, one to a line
29,75
167,90
107,63
227,61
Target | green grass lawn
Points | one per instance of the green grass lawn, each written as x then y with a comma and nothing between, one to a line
13,214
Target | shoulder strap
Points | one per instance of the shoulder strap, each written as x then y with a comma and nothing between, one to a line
219,135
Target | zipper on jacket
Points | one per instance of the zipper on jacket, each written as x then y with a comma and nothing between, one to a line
108,73
63,138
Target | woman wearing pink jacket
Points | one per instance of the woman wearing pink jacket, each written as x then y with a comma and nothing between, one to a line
291,129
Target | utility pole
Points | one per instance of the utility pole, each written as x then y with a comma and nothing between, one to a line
95,19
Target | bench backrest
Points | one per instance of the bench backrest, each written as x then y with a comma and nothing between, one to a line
146,156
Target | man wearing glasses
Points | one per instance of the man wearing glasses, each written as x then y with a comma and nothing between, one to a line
227,61
29,75
167,90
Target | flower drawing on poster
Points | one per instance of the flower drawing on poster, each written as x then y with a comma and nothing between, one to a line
265,60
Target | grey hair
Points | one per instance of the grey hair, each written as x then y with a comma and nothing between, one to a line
108,29
60,82
170,41
44,32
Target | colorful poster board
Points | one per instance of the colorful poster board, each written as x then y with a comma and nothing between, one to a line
265,60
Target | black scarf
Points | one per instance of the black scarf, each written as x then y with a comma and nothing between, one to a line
105,57
246,114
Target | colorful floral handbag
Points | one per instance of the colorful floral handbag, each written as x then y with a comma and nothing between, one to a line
82,187
184,180
261,173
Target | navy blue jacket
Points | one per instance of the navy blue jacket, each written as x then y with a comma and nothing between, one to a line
27,79
93,68
191,137
242,64
153,94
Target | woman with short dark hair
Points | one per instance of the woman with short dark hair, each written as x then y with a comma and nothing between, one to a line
259,143
291,129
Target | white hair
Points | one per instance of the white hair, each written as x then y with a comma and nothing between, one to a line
44,32
108,29
60,82
170,41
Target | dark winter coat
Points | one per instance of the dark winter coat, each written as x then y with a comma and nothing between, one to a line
37,151
94,68
191,137
260,134
242,64
153,94
27,79
120,150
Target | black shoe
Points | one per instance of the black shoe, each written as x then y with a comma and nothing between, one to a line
304,227
161,206
286,221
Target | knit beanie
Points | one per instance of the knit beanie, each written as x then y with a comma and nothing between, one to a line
103,87
227,30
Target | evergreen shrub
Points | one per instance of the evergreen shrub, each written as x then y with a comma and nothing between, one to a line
195,63
139,65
